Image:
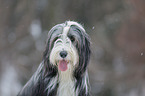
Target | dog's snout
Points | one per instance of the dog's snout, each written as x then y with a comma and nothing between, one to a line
63,54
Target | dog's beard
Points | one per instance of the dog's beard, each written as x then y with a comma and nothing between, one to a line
69,62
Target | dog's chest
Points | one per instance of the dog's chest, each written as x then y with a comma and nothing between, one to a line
66,85
66,89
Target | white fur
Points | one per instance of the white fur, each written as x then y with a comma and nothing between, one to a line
69,23
71,57
66,82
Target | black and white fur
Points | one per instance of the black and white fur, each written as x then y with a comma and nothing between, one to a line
48,80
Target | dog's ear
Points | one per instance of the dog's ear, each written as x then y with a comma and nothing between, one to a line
49,44
84,55
49,69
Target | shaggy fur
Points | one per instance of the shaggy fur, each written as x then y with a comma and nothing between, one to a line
49,80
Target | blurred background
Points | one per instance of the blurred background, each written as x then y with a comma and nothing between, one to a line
116,28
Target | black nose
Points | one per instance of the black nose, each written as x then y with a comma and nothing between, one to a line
63,54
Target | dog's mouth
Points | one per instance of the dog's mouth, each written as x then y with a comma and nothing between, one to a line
62,65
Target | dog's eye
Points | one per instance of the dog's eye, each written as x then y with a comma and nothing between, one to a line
72,38
55,39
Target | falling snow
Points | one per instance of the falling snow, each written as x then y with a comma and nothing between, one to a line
141,54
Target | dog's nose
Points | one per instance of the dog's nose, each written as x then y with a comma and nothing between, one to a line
63,54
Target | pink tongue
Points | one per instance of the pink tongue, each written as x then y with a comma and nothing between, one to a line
62,65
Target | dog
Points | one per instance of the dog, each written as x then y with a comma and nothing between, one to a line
63,70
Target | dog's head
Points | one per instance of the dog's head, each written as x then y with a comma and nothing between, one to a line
68,47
